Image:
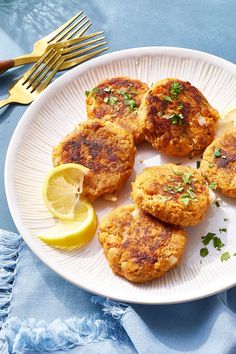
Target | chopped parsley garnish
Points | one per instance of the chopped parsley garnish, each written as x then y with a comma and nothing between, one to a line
204,252
110,100
174,189
128,100
210,164
222,229
109,89
217,152
225,219
185,198
187,177
234,254
131,103
190,192
167,98
208,238
175,89
217,204
198,164
217,243
175,172
225,256
182,187
177,118
93,91
212,185
180,105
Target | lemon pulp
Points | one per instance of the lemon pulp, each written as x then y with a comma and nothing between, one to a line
62,188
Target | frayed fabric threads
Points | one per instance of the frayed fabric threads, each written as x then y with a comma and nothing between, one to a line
10,244
35,336
115,309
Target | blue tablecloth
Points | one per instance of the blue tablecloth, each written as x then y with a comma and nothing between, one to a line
207,25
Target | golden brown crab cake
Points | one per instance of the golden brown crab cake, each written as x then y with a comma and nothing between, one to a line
117,100
219,163
106,149
138,246
177,119
175,194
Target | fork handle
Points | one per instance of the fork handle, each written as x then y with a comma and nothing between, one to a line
6,64
6,101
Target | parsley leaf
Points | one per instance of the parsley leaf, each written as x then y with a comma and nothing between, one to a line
128,100
217,152
180,105
131,103
167,98
225,219
187,177
191,193
225,256
108,89
222,229
93,91
210,164
198,164
207,238
212,185
110,100
175,89
204,252
175,172
177,118
184,198
217,243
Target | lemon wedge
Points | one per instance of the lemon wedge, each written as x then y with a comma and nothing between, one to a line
227,121
62,188
73,233
229,115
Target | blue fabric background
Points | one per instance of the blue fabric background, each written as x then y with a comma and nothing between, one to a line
207,25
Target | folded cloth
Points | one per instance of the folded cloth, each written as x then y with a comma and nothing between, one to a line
40,313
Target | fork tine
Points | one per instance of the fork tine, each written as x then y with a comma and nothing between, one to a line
43,72
50,77
66,33
38,71
32,70
70,63
84,50
70,42
75,32
50,37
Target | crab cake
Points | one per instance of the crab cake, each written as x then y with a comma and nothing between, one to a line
117,100
177,119
175,194
219,164
106,149
138,246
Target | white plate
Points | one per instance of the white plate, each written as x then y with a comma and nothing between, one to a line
55,113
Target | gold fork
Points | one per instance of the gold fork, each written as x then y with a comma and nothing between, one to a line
76,26
36,79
